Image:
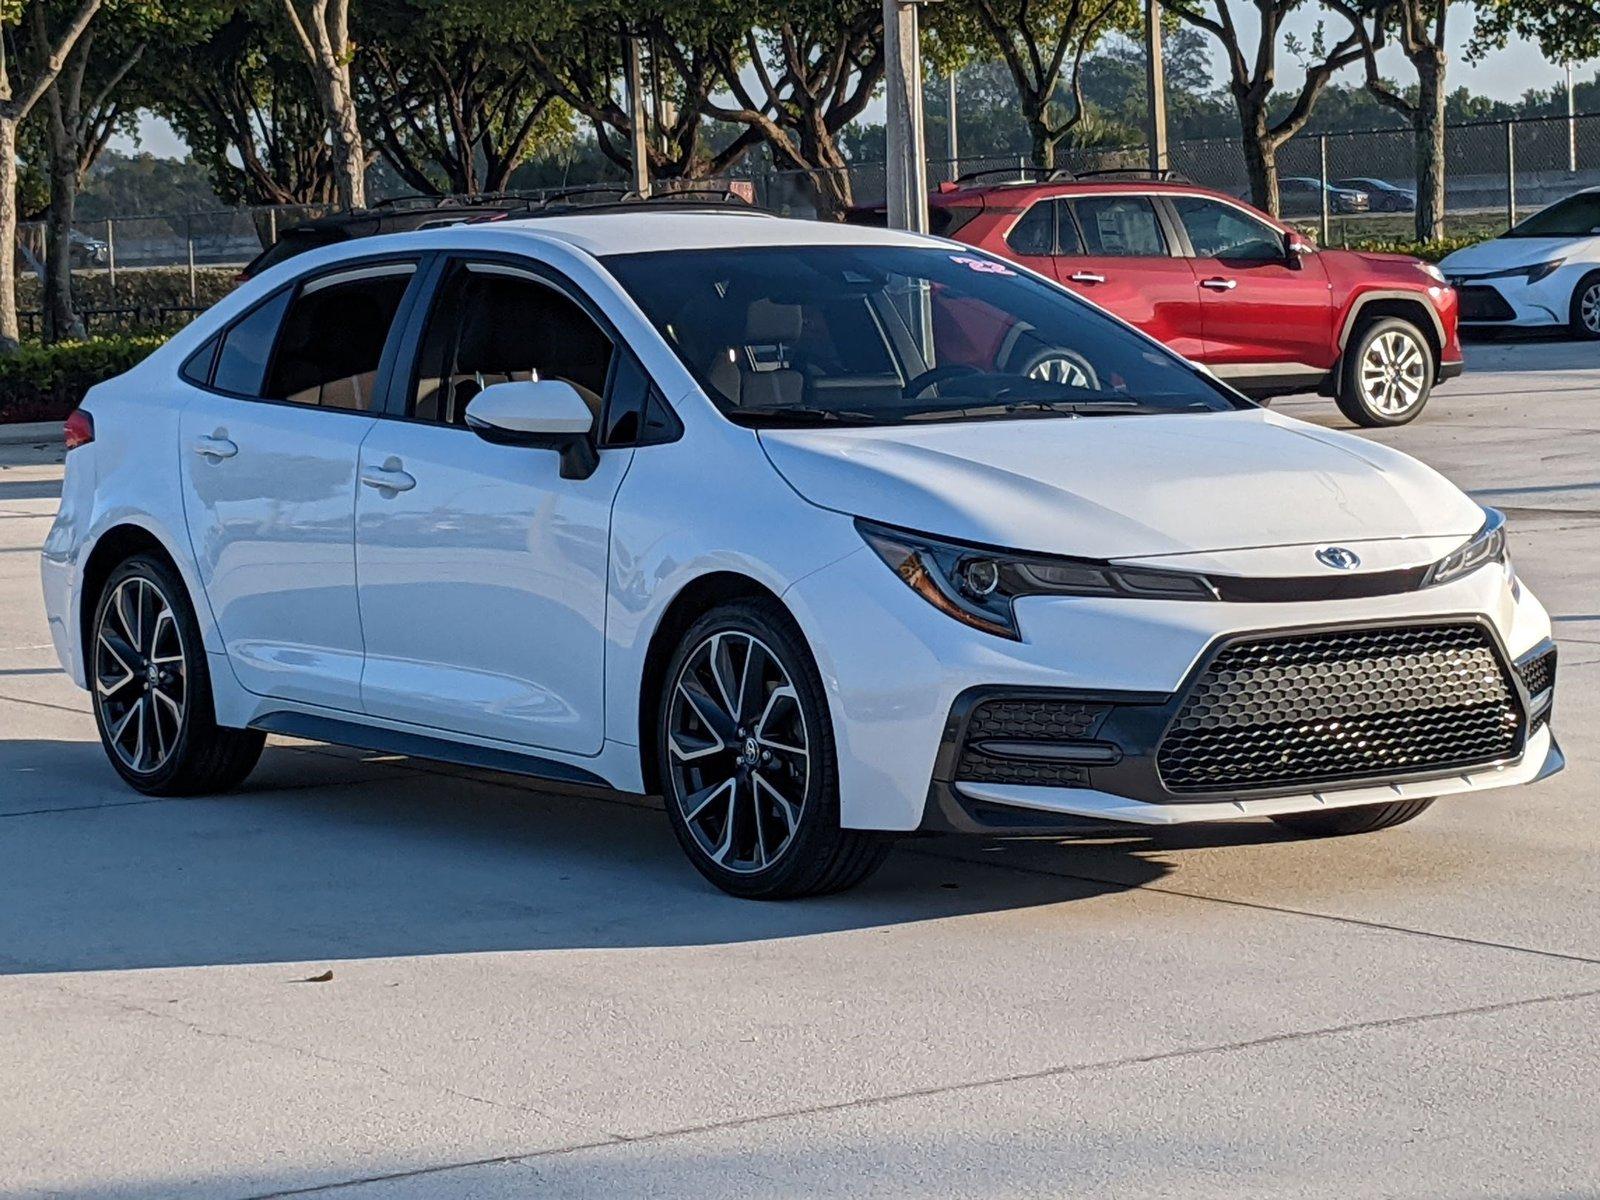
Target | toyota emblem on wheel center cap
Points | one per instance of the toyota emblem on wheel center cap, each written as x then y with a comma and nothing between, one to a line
1338,558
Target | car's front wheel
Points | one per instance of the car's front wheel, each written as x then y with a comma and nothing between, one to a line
1586,307
152,689
747,762
1386,376
1360,818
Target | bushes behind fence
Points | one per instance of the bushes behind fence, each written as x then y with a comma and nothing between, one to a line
146,298
45,383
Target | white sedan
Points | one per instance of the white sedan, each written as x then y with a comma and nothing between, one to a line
763,516
1541,273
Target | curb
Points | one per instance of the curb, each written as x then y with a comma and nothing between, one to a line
30,434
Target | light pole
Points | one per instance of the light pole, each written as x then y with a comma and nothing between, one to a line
1156,93
904,140
1572,125
640,141
952,144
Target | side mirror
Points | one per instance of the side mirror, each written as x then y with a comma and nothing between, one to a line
1295,248
547,413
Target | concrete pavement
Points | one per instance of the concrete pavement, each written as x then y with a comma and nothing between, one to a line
532,994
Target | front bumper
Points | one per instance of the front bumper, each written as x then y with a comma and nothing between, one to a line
894,669
1511,301
1017,809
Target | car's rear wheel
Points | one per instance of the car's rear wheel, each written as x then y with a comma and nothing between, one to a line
152,689
747,762
1361,818
1386,376
1586,307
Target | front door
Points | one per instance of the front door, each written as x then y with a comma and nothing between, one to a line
483,572
1118,255
1265,316
269,445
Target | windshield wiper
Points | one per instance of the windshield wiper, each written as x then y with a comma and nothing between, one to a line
800,414
1075,407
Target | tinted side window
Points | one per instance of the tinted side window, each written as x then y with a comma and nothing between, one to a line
1219,230
197,367
636,414
493,327
1120,226
242,363
333,338
1035,233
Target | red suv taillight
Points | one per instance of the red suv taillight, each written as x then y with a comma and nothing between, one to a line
79,429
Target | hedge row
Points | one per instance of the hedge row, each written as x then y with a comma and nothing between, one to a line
142,293
1427,251
45,383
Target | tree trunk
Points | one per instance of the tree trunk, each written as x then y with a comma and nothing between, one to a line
1428,126
1044,145
60,321
349,154
9,331
1260,158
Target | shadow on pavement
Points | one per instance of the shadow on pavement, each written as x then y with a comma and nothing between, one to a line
30,489
322,857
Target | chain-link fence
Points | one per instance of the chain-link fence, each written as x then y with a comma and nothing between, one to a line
1347,186
1495,172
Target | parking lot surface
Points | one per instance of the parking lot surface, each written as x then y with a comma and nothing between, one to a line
533,994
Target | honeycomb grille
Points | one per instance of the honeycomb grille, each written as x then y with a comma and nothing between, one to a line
1539,675
1025,720
1342,706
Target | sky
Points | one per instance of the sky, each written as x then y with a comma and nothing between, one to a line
1502,75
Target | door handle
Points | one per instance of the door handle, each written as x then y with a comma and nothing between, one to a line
1086,277
388,478
1219,284
216,447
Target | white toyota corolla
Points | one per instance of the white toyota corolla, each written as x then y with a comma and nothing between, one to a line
1541,273
825,534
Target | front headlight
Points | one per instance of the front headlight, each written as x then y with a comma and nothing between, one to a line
977,585
1533,273
1487,545
1432,272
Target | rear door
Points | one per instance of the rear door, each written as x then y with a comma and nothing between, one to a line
268,449
1267,318
1116,250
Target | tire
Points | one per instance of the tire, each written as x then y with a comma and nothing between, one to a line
1362,818
1386,375
1585,314
733,767
1059,365
151,688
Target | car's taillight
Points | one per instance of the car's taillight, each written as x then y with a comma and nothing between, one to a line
79,429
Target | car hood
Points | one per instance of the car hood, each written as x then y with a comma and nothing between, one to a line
1124,487
1503,252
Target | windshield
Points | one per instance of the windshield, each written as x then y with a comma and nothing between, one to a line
874,335
1576,216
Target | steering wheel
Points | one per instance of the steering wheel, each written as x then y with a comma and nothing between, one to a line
921,383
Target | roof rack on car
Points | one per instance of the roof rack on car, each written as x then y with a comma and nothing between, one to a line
606,198
458,200
1022,174
1164,175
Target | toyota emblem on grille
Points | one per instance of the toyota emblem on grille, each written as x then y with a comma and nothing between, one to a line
1338,558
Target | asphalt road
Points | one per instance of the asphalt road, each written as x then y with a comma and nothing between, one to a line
533,995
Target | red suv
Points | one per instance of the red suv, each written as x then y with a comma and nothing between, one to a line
1223,284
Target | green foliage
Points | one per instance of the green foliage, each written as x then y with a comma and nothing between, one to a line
43,383
1566,30
1427,251
148,288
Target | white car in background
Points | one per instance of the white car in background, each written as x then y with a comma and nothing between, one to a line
772,519
1541,273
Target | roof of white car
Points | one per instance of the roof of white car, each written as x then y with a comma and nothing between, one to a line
647,230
